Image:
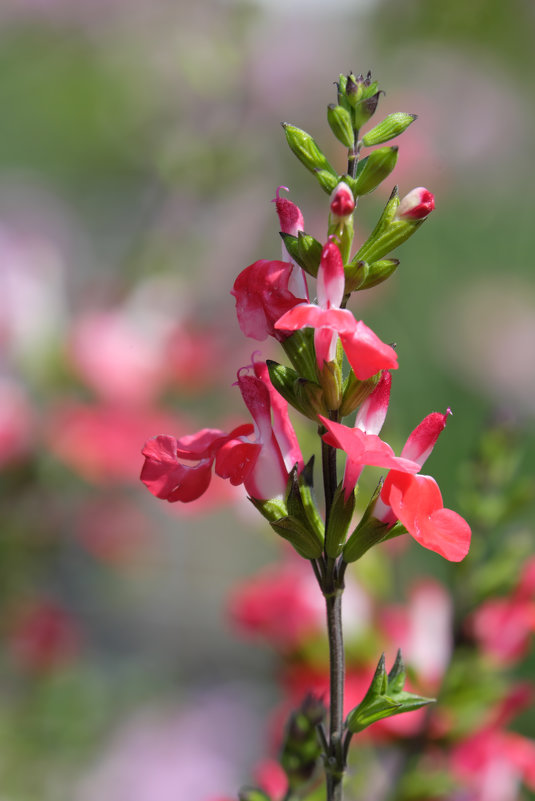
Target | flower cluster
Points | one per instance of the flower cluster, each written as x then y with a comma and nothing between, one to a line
260,455
337,366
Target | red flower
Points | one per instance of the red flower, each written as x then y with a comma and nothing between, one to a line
262,297
416,500
366,353
181,469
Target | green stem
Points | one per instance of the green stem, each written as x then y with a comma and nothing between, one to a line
335,756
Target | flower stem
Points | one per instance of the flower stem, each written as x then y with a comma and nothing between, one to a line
335,756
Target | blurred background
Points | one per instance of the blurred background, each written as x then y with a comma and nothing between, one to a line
140,147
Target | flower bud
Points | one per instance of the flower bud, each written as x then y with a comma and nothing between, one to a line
342,202
375,168
416,205
389,128
309,154
339,120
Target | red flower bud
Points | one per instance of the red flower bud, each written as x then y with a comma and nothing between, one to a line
342,201
416,205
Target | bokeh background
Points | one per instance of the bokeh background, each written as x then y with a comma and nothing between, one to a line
140,147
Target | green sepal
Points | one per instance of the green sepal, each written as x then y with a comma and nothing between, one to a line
306,486
311,398
366,107
301,748
341,124
305,250
307,151
299,347
382,225
301,537
356,391
300,503
370,531
284,380
361,275
330,378
374,169
388,234
385,697
327,180
389,128
340,517
272,510
252,794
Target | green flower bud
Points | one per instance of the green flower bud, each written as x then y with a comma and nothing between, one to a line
374,169
340,518
341,125
378,272
301,747
331,382
365,109
309,154
327,180
389,128
272,510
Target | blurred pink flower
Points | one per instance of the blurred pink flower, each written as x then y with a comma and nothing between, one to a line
43,635
102,442
17,435
503,626
116,357
281,603
423,631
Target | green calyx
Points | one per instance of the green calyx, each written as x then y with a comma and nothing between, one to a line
385,697
389,128
340,517
305,250
310,155
373,169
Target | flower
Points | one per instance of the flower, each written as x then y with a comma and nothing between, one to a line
503,626
366,353
416,501
263,296
417,205
181,469
361,443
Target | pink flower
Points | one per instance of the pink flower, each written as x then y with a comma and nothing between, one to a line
262,296
43,636
423,631
280,603
361,444
271,777
416,501
181,469
167,471
503,626
291,222
366,353
417,205
493,763
100,441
